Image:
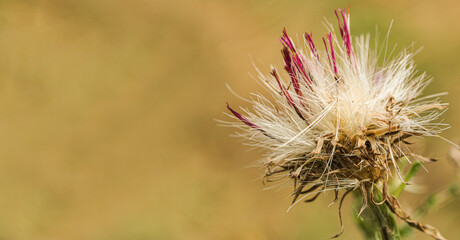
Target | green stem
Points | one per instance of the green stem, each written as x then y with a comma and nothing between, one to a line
377,222
410,174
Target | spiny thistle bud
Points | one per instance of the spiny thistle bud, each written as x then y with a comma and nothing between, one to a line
339,120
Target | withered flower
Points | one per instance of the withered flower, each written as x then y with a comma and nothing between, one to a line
338,118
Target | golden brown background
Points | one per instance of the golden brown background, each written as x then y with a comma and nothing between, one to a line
107,115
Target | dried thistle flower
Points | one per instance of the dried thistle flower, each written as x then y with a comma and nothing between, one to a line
337,119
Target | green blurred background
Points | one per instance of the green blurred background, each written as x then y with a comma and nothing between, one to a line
107,115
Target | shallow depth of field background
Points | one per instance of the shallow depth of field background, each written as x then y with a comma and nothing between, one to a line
107,115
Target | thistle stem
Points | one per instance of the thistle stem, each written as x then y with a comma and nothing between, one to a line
377,222
412,171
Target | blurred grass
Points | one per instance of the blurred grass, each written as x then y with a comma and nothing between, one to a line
107,108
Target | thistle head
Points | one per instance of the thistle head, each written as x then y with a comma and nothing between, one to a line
336,117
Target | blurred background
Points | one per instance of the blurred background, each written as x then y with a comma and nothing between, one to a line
108,108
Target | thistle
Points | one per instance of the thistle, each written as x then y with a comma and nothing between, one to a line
338,120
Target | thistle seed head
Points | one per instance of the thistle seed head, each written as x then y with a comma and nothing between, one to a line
336,117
